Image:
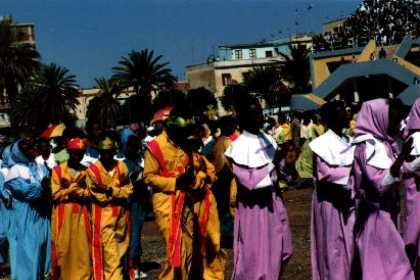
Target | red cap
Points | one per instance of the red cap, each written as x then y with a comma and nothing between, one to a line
76,144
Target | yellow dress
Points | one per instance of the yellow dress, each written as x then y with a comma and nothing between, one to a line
182,217
70,225
110,220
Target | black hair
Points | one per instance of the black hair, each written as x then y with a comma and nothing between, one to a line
228,125
181,110
397,105
281,118
73,132
43,140
90,124
329,112
244,108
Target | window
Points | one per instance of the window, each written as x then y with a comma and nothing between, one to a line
226,79
276,50
252,53
238,54
268,53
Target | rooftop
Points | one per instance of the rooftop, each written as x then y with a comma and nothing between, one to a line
223,64
338,52
261,44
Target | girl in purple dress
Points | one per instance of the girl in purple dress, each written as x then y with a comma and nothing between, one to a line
376,173
262,238
332,218
411,230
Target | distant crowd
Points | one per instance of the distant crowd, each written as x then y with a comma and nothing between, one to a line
387,21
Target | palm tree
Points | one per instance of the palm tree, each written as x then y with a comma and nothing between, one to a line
18,61
49,97
105,108
267,83
143,71
260,79
232,94
200,101
296,68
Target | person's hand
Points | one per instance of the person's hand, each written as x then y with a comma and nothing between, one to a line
81,182
64,183
125,181
99,188
185,181
407,147
404,155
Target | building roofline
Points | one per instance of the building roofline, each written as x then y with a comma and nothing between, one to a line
303,34
224,64
199,65
265,63
23,24
247,45
270,43
339,52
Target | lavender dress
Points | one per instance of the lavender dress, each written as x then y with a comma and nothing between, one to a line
262,238
411,230
380,246
332,217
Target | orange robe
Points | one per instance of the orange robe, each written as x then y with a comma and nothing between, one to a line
177,213
70,225
110,221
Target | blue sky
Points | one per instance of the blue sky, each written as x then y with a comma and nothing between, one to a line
89,36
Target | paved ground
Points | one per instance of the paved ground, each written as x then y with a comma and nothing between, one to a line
298,203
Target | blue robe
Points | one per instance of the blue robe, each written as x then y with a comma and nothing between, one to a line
125,135
4,224
29,230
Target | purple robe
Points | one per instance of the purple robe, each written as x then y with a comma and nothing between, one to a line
411,230
262,237
380,246
414,117
332,224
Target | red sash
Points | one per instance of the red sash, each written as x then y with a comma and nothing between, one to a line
98,261
97,254
233,137
98,176
177,204
59,224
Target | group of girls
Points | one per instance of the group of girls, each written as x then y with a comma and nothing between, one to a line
358,230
